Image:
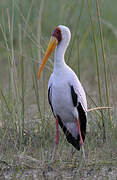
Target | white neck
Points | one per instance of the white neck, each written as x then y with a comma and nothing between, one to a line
59,61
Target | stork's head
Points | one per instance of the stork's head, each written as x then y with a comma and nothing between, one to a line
60,35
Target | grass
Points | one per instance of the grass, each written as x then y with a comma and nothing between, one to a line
26,121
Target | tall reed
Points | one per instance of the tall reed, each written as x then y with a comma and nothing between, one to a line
104,60
97,66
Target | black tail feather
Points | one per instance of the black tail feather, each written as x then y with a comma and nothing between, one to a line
69,137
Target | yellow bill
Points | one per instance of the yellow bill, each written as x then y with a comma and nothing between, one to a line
51,47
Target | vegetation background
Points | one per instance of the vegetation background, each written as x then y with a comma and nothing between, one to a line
27,126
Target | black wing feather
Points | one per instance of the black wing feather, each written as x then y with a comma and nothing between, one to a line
74,96
81,112
82,120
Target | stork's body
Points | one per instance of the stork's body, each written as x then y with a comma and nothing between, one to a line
66,95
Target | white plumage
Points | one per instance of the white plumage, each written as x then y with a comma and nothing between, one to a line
60,96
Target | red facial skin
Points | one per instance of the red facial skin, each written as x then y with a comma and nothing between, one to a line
57,34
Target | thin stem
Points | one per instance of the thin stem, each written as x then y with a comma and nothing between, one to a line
98,108
76,30
22,82
104,60
97,65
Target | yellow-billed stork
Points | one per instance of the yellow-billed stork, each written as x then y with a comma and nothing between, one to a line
65,92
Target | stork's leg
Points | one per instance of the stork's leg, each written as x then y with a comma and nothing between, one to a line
81,140
56,137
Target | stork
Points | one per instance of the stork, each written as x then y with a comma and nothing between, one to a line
65,93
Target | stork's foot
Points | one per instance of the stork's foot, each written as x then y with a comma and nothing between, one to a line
83,152
54,152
